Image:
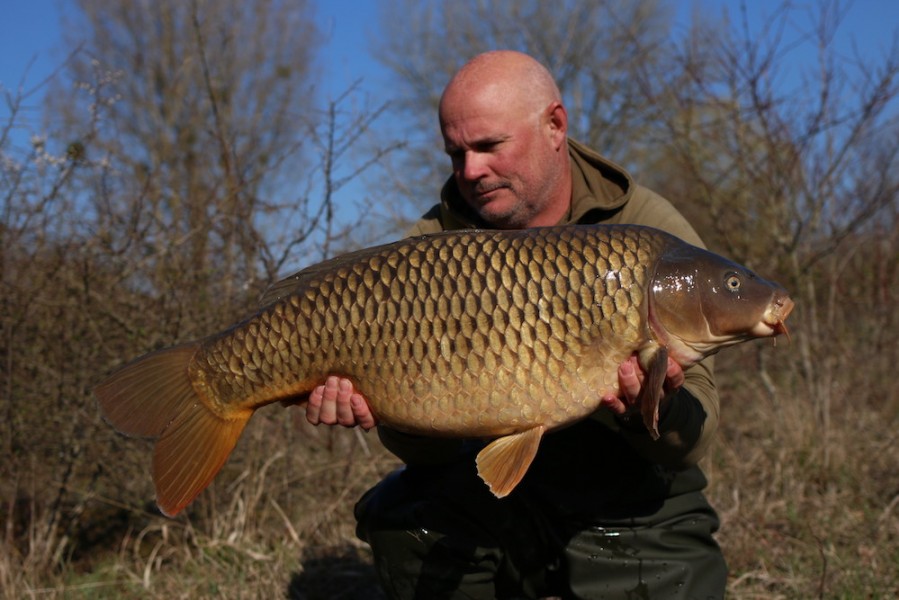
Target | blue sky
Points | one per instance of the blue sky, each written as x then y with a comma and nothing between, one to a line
29,31
30,42
30,45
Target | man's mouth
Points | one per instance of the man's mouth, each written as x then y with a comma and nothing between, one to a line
485,191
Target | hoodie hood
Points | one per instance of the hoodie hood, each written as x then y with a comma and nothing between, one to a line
597,184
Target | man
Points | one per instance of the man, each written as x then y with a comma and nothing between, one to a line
604,511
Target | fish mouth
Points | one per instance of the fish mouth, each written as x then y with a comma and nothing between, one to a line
772,323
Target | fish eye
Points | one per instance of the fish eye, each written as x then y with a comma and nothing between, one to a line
732,282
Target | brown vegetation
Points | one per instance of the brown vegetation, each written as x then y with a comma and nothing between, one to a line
166,197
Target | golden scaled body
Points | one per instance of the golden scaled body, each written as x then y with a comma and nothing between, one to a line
478,334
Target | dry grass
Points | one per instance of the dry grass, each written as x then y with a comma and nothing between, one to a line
807,511
278,527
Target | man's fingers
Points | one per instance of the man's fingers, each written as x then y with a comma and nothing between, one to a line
343,408
362,412
314,405
329,401
337,403
322,405
614,404
629,380
674,376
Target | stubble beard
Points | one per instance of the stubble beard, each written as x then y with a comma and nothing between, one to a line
514,213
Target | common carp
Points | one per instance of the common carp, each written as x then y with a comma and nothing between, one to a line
503,335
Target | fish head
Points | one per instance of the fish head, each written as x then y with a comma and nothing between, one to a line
701,302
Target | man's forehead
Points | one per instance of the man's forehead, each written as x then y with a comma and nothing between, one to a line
473,129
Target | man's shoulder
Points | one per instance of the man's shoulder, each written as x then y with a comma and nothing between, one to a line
441,217
430,222
649,208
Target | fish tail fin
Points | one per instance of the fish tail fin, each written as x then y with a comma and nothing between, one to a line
154,397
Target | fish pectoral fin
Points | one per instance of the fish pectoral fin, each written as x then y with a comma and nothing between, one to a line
656,366
504,461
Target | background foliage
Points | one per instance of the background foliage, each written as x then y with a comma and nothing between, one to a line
189,164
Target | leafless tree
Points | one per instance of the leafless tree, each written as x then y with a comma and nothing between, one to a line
186,161
207,108
591,47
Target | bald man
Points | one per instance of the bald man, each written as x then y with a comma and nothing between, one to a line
604,511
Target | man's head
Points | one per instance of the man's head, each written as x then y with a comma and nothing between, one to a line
504,127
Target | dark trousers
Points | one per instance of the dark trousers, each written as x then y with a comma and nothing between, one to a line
437,532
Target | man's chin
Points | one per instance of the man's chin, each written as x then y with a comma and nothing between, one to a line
499,207
502,219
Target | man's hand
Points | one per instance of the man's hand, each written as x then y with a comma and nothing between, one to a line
337,403
630,382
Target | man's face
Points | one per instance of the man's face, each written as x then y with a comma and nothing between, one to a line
504,158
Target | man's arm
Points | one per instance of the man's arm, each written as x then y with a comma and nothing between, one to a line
688,417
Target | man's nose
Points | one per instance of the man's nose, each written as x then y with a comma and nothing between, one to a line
474,166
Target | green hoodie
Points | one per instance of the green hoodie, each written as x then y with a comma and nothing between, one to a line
602,192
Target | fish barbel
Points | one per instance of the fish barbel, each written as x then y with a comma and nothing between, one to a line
503,335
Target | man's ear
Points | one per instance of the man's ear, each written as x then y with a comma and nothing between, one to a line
558,123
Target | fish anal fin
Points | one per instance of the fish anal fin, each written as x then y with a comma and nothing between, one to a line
504,461
655,363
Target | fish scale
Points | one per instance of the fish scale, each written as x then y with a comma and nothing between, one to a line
502,335
500,330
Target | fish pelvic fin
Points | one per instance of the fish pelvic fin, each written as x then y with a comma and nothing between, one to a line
504,461
655,363
154,397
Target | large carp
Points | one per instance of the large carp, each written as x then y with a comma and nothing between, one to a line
488,334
